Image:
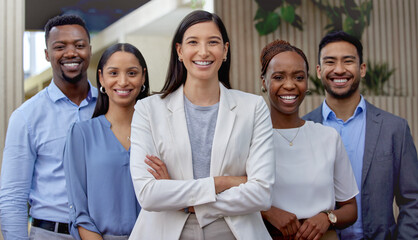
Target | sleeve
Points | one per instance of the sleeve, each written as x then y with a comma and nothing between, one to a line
406,189
76,181
255,194
161,195
345,185
19,158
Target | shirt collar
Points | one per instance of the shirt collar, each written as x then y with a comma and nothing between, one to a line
328,113
56,94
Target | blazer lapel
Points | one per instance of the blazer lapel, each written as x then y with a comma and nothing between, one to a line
179,133
373,127
223,130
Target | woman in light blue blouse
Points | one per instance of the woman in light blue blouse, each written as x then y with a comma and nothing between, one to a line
101,196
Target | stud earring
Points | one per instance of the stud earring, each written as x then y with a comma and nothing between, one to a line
263,89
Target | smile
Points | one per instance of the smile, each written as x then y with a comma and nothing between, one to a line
123,92
71,64
341,80
288,97
203,63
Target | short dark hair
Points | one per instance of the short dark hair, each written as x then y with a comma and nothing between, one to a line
177,73
276,47
102,105
64,20
339,36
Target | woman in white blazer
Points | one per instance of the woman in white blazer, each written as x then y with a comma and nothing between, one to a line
215,145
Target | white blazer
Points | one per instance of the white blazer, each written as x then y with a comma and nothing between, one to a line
242,145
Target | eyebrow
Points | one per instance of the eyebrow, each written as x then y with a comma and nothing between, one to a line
110,67
212,37
344,57
294,72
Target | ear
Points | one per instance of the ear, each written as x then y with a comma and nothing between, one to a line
226,46
179,51
100,77
318,71
143,76
263,82
46,55
363,69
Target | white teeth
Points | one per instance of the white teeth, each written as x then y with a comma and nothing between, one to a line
288,97
71,64
204,63
122,91
340,80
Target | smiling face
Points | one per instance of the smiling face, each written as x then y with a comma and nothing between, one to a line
340,70
69,52
122,78
202,51
286,82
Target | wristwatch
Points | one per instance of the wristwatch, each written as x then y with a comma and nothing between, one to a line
332,218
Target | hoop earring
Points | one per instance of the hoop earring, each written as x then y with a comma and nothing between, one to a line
180,60
102,90
143,88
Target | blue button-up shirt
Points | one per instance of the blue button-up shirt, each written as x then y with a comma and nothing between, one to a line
353,133
32,167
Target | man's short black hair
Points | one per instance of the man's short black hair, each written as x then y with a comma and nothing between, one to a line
341,36
64,20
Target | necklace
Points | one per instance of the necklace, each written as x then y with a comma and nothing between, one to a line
290,141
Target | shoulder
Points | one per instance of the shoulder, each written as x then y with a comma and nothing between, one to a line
387,117
315,115
321,131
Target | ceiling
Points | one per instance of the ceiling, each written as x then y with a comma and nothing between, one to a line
98,14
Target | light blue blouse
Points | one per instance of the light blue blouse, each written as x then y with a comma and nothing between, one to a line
101,196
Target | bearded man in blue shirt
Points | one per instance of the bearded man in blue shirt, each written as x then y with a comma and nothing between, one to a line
379,145
32,170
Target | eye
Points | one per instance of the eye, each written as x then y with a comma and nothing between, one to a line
277,77
80,46
113,73
329,62
213,42
58,47
300,78
132,73
192,42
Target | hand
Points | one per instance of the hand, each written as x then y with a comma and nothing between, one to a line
313,228
287,222
223,183
158,168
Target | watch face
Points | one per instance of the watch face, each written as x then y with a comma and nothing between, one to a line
332,218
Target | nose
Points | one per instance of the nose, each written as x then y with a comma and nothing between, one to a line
70,51
288,84
339,68
203,50
123,80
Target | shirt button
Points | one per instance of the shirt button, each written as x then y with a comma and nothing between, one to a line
71,206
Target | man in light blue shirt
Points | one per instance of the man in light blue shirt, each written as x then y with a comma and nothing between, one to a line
32,170
379,144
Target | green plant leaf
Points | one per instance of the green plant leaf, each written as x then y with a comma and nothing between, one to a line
260,14
268,24
288,13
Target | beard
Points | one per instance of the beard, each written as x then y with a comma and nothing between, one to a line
73,80
343,95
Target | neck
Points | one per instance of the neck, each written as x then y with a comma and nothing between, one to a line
282,121
202,92
76,92
343,108
119,116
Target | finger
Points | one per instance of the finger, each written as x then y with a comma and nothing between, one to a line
312,234
301,230
159,163
154,166
154,173
294,228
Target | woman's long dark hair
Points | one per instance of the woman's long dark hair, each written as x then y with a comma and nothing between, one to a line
177,73
102,105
